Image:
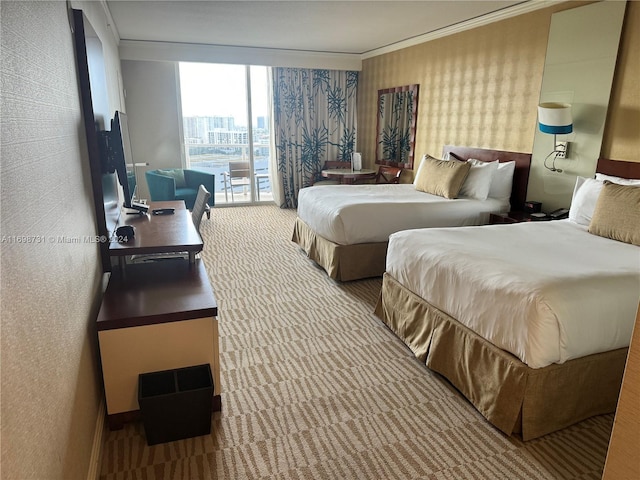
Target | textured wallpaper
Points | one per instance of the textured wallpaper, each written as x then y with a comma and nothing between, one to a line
622,132
481,87
50,276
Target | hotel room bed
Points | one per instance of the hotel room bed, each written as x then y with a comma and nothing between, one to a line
531,322
345,228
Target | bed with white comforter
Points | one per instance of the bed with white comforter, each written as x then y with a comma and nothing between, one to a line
350,214
566,295
530,322
345,228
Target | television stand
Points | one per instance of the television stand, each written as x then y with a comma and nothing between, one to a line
140,208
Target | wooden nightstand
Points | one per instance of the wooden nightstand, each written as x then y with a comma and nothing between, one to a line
510,217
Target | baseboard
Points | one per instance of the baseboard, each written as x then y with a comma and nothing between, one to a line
98,441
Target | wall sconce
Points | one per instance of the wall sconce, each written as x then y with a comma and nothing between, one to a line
555,118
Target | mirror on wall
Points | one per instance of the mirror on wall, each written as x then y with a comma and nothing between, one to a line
396,126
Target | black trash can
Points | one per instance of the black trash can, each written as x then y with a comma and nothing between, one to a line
176,404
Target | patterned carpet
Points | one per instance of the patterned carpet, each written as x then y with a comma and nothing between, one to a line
315,387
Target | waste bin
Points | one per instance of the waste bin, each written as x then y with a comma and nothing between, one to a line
176,404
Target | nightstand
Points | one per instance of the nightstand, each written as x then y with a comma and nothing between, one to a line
510,217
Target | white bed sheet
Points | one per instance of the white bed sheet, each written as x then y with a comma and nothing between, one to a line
545,291
351,214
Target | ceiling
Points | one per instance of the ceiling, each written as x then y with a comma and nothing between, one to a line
351,27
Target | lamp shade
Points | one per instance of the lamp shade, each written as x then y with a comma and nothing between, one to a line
555,118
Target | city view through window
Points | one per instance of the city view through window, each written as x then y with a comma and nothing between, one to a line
217,103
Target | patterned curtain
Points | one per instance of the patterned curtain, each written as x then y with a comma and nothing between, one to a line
314,121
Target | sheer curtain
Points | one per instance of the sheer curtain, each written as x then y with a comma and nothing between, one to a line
314,121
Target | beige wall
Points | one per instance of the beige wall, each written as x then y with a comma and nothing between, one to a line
50,290
481,87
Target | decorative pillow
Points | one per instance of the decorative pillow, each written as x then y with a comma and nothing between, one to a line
177,174
502,181
415,177
478,181
426,155
617,213
441,177
583,203
619,180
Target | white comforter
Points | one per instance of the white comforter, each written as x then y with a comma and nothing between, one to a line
545,291
350,214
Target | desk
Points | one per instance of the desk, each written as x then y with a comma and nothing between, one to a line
157,317
159,233
348,176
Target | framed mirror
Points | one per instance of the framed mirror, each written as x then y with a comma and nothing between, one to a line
396,126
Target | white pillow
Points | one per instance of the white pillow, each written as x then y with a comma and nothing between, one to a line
583,203
478,182
619,180
502,181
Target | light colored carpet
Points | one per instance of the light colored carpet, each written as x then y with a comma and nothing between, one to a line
314,386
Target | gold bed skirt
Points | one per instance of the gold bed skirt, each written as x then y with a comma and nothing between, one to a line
341,262
509,394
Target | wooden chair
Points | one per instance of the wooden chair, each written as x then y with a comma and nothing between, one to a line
320,180
388,174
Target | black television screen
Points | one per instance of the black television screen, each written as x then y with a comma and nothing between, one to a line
120,150
121,159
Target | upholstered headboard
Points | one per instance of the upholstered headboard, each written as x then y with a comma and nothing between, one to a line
520,176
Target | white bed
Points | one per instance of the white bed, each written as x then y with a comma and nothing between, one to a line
563,293
345,228
350,214
530,322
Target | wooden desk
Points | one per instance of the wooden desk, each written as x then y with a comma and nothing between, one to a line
159,233
157,317
348,176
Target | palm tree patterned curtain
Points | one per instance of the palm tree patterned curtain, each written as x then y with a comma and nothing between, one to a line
314,121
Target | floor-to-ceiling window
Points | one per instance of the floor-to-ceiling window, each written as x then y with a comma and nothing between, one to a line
225,113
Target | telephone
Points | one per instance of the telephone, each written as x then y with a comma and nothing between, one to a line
559,213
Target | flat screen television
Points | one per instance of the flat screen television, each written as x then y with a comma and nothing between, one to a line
120,158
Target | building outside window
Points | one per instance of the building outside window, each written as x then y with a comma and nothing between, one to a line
217,101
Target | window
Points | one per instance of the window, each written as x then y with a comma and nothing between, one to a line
217,101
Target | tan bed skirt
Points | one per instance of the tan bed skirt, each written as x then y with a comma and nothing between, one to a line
512,396
341,262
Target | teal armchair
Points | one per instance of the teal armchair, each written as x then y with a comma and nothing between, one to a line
179,184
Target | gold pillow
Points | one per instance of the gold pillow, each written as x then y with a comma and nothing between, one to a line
617,213
441,177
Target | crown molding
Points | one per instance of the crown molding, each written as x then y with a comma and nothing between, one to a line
190,52
110,23
509,12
